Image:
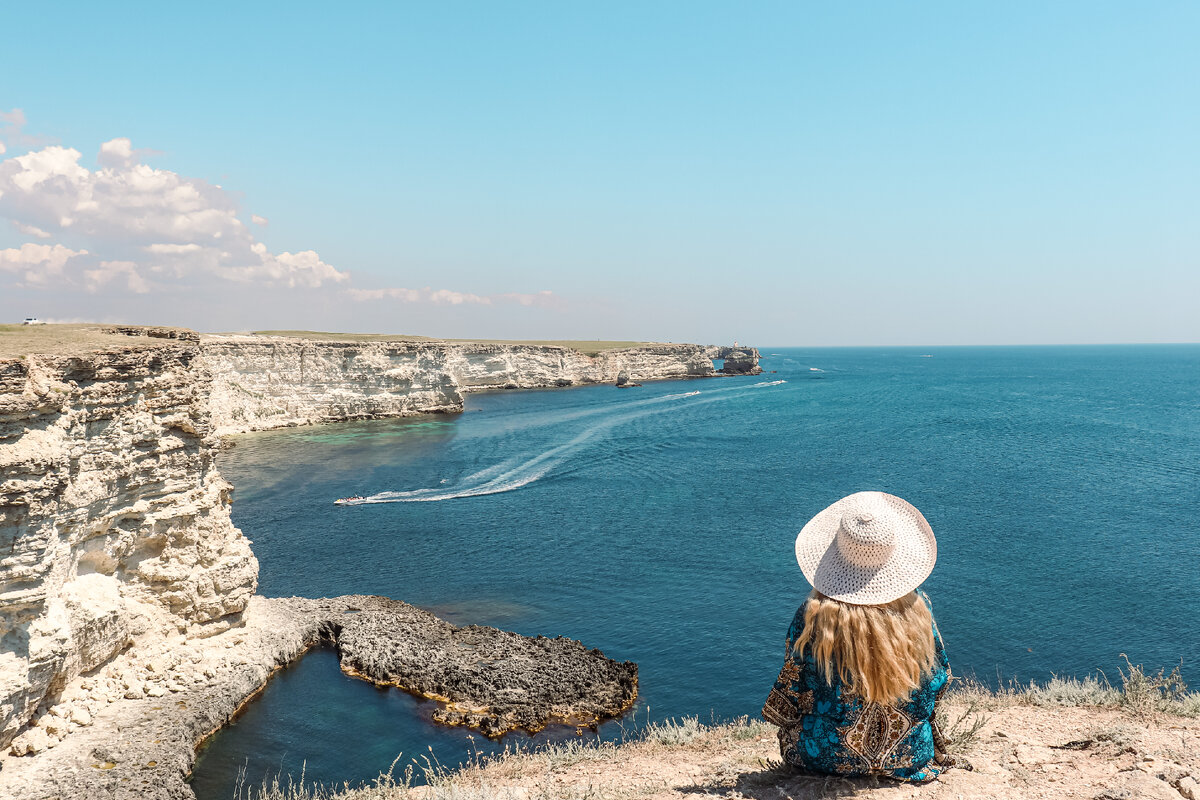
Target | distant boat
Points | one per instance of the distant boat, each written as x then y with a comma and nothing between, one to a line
353,500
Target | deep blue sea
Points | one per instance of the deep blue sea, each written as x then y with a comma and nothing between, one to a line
657,524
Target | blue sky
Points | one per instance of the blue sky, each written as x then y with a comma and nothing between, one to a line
778,173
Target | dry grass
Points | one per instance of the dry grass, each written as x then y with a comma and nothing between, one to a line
479,779
22,340
1141,694
19,341
586,346
509,775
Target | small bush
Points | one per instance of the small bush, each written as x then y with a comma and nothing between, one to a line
672,732
1090,691
1145,695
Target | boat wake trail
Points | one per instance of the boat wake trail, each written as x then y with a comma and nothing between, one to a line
514,473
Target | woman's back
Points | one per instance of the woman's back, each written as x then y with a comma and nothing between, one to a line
864,665
826,725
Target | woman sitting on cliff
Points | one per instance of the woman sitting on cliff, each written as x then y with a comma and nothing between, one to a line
864,665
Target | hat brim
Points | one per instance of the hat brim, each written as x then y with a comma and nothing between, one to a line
833,576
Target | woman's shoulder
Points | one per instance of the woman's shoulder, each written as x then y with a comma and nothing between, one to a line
797,625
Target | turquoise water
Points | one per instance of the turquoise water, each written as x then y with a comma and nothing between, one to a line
657,524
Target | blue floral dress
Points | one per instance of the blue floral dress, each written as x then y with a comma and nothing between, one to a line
822,729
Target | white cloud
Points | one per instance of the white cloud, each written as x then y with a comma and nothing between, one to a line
452,298
149,221
111,270
38,265
12,131
31,230
116,153
127,228
404,295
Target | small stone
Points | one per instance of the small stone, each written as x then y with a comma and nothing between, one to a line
54,726
134,693
81,716
155,691
1189,788
33,741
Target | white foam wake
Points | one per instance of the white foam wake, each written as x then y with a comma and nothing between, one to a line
514,473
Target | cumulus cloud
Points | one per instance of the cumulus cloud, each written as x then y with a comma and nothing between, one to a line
142,225
452,298
38,265
124,227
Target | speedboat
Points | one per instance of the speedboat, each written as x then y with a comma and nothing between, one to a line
352,500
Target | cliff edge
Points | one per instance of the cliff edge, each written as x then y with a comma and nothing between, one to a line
113,518
115,531
268,381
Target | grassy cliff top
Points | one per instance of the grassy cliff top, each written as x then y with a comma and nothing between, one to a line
17,341
68,339
588,346
1063,739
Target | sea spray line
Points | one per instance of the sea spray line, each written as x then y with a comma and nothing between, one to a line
509,474
545,420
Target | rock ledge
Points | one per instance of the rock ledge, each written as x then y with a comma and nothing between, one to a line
131,728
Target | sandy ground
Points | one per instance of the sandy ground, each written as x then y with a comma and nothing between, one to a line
1023,751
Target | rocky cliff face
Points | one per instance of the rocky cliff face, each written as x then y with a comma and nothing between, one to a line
113,519
114,523
272,382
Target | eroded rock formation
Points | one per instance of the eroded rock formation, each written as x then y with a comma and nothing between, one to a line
263,382
140,742
739,361
487,678
113,519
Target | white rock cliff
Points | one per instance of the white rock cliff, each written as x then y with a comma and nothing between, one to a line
114,522
272,382
113,518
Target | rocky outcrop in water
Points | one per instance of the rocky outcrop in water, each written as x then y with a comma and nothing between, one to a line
263,382
740,361
118,742
488,679
113,519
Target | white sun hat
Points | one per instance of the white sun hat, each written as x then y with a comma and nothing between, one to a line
867,549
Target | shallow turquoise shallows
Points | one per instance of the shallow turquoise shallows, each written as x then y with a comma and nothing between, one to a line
658,523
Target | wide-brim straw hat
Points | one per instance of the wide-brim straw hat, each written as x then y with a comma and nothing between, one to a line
867,549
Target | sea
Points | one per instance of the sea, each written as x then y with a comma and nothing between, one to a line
657,524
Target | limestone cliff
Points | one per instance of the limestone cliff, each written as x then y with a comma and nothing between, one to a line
266,382
113,519
114,523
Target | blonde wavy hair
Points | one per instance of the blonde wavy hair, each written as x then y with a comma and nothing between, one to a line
879,653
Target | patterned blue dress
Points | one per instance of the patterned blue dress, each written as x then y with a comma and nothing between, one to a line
822,729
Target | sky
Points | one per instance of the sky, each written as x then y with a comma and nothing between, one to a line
794,173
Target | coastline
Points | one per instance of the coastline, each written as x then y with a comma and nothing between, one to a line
155,704
130,572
